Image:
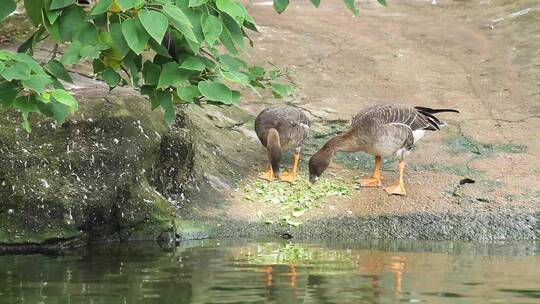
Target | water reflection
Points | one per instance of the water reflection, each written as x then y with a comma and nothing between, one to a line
276,272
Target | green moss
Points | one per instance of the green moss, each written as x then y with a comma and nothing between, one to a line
455,169
458,144
14,229
190,227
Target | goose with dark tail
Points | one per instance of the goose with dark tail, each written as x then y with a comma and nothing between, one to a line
279,129
382,131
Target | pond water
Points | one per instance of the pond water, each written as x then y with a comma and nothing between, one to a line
240,271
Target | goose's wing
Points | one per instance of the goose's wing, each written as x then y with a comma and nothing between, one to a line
294,127
395,114
291,123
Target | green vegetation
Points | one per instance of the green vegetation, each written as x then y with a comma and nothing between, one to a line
173,51
294,199
459,144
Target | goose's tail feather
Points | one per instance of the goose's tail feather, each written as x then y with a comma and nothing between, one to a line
433,111
434,122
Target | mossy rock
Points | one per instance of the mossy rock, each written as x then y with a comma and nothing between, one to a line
87,177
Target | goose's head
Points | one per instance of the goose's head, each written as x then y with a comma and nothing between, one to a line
318,164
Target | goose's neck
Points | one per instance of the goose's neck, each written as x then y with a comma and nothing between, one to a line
341,142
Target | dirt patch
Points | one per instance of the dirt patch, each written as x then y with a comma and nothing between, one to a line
454,54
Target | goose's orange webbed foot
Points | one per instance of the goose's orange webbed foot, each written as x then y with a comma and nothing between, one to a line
374,181
291,176
398,189
268,175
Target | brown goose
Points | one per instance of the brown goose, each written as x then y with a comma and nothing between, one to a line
382,131
279,129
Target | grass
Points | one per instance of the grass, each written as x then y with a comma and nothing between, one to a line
294,199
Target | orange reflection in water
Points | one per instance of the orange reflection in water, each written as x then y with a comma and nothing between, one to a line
375,266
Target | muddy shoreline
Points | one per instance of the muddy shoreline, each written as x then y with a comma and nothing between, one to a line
476,228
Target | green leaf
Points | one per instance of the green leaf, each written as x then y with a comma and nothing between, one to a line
159,48
91,51
182,3
294,223
177,15
227,41
26,104
281,5
236,77
59,111
87,34
234,30
8,93
37,83
105,38
155,23
256,72
211,27
316,3
231,8
119,43
135,35
195,3
101,7
281,90
382,2
26,124
298,213
52,29
72,54
63,97
351,6
58,70
151,72
149,91
165,101
235,97
111,77
19,71
30,61
193,63
56,4
70,21
127,4
33,10
52,16
216,91
231,63
248,20
132,62
171,75
188,93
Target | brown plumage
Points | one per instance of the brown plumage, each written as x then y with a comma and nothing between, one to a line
279,129
383,131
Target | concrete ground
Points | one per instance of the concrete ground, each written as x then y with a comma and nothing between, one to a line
480,57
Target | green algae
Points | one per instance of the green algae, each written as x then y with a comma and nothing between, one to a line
459,144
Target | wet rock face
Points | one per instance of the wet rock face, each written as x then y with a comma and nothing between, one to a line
99,175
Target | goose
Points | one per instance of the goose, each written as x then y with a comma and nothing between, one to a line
279,129
383,131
